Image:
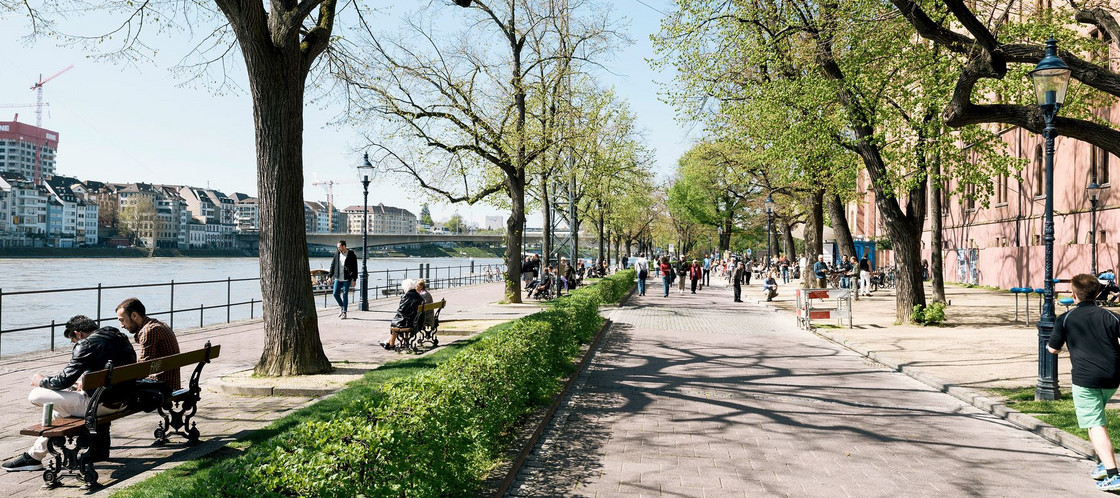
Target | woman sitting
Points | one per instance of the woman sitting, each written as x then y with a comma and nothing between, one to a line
406,312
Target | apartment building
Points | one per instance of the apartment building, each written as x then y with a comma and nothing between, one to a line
382,220
27,150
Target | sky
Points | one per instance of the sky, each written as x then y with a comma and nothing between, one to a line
122,122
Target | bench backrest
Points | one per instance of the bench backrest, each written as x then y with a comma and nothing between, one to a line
116,375
433,306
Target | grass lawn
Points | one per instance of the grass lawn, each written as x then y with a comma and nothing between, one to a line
188,475
1058,413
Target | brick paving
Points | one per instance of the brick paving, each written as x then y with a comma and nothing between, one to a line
695,396
221,418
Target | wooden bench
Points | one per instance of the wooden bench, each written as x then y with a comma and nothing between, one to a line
422,330
71,441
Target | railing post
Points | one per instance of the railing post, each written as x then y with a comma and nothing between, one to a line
99,304
1,315
420,271
52,335
229,300
172,312
201,312
251,303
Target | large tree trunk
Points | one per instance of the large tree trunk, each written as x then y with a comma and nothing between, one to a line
814,235
844,240
291,328
788,247
936,255
515,224
600,226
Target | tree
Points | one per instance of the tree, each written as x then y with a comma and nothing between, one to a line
425,215
850,67
139,221
281,41
986,57
467,106
455,223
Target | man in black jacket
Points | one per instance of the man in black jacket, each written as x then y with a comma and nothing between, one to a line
344,270
93,348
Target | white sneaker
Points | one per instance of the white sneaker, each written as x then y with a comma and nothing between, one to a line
343,315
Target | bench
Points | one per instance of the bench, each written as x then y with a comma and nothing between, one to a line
421,332
71,441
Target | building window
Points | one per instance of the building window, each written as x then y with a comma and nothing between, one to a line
1098,164
1039,173
1001,188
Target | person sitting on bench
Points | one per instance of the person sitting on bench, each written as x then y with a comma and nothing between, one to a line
1109,291
406,311
93,348
542,287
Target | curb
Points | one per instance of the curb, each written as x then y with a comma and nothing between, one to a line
976,399
224,387
561,398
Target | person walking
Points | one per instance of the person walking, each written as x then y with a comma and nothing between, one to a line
1093,336
783,264
707,280
737,281
666,273
344,270
695,273
865,275
682,274
642,265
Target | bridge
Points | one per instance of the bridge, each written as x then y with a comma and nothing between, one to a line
249,240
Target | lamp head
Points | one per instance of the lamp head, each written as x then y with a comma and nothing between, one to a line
1051,79
769,204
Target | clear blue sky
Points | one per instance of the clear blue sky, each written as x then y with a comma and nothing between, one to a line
129,123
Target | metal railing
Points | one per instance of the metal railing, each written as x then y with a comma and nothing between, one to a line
437,278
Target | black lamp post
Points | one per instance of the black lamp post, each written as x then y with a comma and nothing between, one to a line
769,228
367,170
1094,191
1051,78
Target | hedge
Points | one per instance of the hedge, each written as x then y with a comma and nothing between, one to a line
435,433
614,287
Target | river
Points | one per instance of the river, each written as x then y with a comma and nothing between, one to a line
149,278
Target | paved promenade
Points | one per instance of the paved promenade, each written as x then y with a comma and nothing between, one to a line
221,417
695,396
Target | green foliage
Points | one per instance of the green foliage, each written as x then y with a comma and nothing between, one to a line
434,431
611,289
934,314
1059,413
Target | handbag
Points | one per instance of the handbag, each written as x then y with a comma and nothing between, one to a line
148,395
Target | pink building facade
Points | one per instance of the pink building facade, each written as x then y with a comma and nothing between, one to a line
1001,244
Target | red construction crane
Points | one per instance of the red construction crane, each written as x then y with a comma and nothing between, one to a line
38,87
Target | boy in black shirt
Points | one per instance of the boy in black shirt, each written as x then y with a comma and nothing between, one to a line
1093,334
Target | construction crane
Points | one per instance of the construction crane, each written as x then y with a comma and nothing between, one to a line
328,186
38,87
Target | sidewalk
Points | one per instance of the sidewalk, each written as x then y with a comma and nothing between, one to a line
693,395
224,417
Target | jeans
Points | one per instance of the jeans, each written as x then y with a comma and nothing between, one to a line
342,293
785,275
641,286
665,280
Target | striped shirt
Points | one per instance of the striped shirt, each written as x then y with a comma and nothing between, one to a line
156,340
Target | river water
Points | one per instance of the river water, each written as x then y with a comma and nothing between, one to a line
149,280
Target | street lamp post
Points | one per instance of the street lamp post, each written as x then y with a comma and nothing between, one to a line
366,169
769,228
1051,78
1094,191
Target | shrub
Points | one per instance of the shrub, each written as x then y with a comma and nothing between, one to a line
934,314
436,433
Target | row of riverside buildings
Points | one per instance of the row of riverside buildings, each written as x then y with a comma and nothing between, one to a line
39,208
